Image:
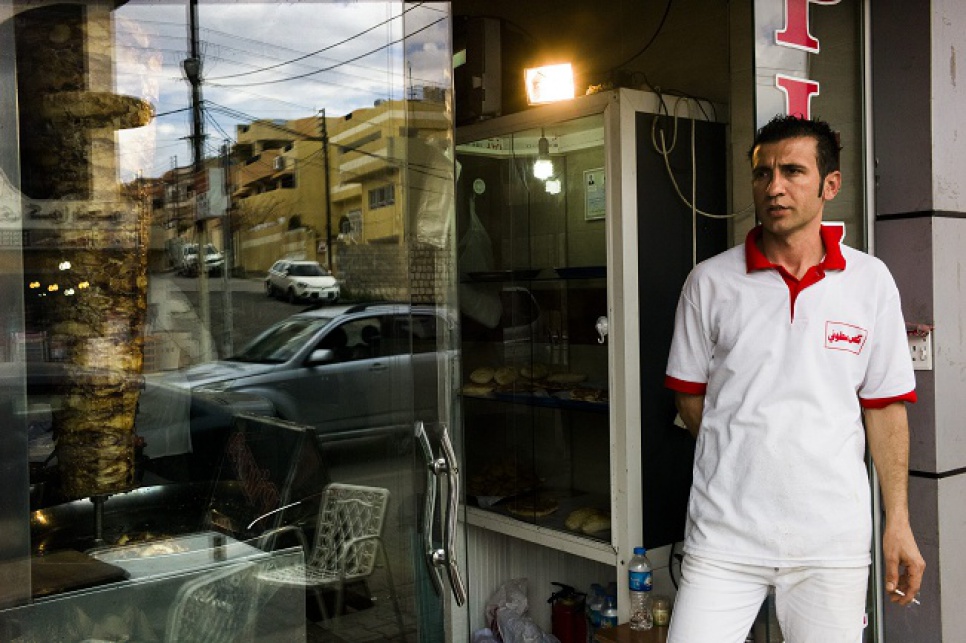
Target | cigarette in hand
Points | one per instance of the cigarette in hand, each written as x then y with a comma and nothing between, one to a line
902,593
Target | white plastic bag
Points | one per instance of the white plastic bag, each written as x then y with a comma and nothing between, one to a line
506,614
520,628
485,635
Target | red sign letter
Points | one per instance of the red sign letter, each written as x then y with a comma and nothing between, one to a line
798,94
796,34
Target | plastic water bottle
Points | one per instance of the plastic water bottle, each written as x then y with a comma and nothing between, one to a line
608,615
639,575
595,605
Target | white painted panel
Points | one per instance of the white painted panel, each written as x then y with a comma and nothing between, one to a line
948,67
949,341
952,526
495,558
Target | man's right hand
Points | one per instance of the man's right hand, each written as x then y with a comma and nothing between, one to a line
691,408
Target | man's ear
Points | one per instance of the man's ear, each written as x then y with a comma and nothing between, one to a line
831,185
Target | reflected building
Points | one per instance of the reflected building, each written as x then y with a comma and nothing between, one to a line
362,226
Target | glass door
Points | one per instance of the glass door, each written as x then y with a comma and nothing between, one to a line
235,226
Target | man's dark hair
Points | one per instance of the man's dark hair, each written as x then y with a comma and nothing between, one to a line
783,127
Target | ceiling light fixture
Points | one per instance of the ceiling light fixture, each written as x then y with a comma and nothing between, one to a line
543,166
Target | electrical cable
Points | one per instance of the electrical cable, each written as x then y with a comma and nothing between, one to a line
694,195
326,48
331,67
312,160
427,170
173,111
215,123
660,26
665,151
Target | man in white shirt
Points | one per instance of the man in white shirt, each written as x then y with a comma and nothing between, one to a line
781,348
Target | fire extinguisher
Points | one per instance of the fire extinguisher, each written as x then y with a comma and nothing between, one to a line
568,618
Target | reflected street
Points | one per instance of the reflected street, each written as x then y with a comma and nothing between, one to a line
252,310
376,462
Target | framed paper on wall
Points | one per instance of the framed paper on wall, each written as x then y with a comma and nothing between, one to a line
595,197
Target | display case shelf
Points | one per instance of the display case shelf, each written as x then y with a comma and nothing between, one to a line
574,273
571,543
558,400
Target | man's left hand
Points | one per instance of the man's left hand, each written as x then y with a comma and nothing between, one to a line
904,564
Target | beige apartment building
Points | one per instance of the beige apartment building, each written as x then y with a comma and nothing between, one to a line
329,188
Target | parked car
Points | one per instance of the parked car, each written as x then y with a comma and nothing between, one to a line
214,260
348,371
301,280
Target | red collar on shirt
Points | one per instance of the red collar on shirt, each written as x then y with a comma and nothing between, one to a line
831,236
833,260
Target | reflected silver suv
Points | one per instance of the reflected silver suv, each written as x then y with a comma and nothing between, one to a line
347,371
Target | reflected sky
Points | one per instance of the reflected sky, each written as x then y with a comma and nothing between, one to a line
274,60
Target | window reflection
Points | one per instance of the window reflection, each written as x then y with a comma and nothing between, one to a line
145,263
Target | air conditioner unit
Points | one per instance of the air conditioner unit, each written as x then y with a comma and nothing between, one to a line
279,163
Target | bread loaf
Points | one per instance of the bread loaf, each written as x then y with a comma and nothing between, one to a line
482,375
588,520
505,375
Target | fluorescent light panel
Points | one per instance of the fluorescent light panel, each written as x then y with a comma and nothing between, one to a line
549,84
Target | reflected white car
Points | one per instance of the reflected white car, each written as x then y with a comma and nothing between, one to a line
301,281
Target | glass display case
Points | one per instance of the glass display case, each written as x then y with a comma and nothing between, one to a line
533,286
576,231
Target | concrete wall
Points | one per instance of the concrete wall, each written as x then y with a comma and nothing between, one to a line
920,230
392,272
259,249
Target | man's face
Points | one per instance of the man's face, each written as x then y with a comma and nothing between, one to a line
788,190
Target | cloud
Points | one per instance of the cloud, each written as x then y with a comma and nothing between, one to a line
279,60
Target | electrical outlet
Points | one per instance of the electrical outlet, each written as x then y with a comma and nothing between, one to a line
920,348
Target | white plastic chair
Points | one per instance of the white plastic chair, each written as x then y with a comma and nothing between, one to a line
348,537
216,607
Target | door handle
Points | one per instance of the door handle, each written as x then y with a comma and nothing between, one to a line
429,508
453,484
444,556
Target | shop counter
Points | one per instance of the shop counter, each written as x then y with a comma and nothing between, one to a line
180,554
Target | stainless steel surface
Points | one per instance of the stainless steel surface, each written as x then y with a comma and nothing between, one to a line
142,514
445,556
429,509
603,328
177,555
452,472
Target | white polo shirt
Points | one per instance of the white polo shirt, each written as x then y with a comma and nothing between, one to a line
785,367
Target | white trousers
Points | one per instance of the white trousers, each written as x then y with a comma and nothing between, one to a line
717,602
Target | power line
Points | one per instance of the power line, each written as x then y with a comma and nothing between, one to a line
173,111
324,49
660,26
216,124
427,170
334,66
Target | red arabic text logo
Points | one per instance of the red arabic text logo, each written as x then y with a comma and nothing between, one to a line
845,337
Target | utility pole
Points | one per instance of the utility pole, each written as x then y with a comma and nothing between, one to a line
192,70
329,250
228,347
